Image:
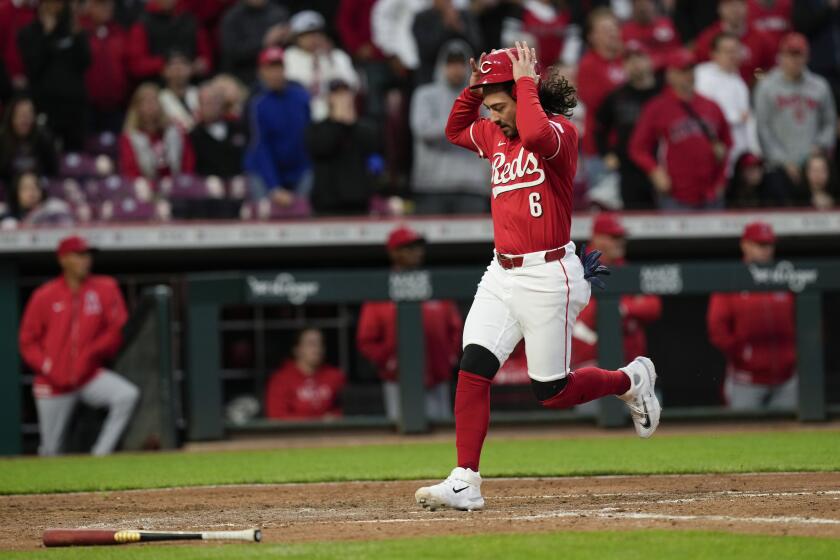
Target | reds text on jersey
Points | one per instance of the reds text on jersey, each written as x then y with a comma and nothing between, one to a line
532,173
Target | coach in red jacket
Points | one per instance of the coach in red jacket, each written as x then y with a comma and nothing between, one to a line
71,328
376,337
682,141
609,237
756,333
305,388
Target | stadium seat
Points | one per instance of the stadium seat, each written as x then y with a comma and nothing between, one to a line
268,210
134,209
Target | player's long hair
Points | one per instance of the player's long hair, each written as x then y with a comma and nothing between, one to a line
557,95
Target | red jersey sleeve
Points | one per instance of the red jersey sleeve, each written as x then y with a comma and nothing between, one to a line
644,141
108,343
539,134
141,63
720,320
31,335
465,128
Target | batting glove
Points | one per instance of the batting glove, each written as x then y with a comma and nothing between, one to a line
592,267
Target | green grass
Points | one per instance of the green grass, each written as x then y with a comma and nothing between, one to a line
644,545
726,453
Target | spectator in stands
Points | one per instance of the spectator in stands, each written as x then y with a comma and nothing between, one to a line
107,81
276,159
434,27
28,205
720,81
692,17
654,31
682,142
601,72
445,179
376,337
354,28
820,183
756,333
25,146
391,29
637,311
72,369
746,188
305,387
56,55
314,62
340,147
218,142
15,15
6,90
246,29
160,30
773,17
234,94
150,146
796,118
547,21
179,98
209,17
617,119
757,53
819,20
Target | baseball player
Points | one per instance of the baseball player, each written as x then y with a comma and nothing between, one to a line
535,285
71,328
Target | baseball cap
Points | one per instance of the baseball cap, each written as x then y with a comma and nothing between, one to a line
73,244
759,232
750,159
403,236
271,55
306,21
794,43
608,223
680,59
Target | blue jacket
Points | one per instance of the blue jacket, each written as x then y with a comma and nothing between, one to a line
277,149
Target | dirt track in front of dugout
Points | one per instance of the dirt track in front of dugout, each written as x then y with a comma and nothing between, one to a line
805,504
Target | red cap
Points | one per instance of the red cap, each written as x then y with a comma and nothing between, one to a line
750,159
680,59
607,223
73,244
794,43
495,68
401,237
271,55
759,232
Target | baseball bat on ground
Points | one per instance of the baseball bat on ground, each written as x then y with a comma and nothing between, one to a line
91,537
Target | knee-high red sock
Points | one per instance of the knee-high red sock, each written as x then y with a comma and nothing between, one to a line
472,417
588,384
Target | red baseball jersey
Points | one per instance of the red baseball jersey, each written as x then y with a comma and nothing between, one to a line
531,199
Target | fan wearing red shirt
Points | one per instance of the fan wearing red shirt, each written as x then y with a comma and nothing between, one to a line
758,52
305,388
547,23
376,337
653,31
682,141
610,237
773,17
756,332
535,285
71,329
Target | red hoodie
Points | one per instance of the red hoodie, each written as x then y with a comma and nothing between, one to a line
106,80
66,337
659,38
774,19
756,333
14,16
757,50
292,394
636,312
597,78
377,338
666,126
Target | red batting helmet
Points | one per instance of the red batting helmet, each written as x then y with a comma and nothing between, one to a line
495,68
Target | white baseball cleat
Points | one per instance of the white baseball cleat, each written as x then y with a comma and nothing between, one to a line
461,490
641,400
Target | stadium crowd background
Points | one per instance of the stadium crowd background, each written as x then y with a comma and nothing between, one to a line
177,109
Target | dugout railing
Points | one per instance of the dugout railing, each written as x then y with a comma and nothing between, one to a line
207,294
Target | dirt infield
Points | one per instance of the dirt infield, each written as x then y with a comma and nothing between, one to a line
775,504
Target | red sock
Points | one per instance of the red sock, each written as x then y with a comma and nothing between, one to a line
588,384
472,417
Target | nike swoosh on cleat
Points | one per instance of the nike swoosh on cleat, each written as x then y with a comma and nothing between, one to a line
459,490
646,423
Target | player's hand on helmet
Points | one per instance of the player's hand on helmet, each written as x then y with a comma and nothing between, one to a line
475,66
525,61
592,267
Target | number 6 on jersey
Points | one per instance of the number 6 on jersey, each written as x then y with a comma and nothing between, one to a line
534,203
